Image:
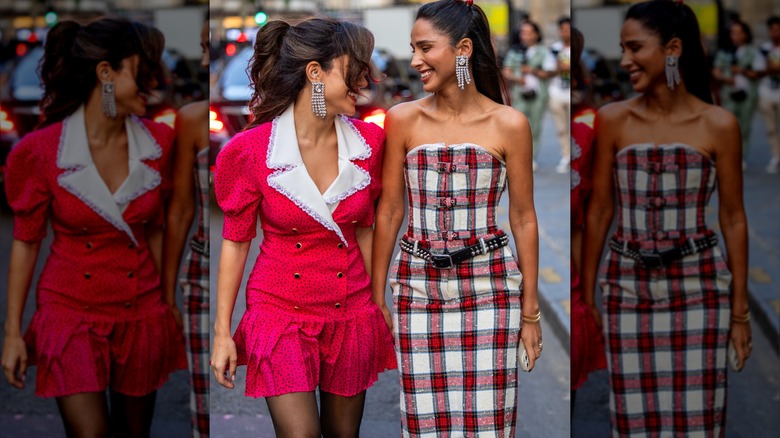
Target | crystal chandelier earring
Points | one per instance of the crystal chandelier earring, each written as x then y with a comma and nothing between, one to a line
107,97
672,71
318,99
462,71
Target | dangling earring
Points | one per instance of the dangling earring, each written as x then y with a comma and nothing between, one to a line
107,98
318,99
672,71
462,71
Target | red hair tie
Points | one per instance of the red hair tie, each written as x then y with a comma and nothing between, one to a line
679,2
468,2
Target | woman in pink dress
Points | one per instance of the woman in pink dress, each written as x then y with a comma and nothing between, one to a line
97,174
312,176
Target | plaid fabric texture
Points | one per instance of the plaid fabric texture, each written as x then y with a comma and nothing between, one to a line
194,282
667,328
456,330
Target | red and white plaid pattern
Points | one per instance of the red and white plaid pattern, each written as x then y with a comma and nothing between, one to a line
456,330
667,328
195,288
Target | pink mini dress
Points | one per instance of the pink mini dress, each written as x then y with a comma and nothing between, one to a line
100,320
310,320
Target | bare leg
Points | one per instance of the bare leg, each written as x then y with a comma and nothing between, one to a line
131,417
341,416
294,415
84,415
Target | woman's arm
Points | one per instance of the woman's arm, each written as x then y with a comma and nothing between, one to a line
232,259
600,209
181,207
154,237
733,223
390,210
522,222
20,272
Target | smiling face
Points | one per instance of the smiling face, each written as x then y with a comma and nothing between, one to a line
339,98
528,35
129,98
643,56
432,56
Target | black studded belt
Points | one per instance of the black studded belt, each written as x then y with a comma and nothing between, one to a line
448,260
654,258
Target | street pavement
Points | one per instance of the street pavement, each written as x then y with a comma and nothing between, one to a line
753,400
543,405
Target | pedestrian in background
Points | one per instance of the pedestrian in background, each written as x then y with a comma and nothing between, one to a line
587,341
733,69
99,175
560,92
459,294
769,90
191,183
528,68
312,176
675,307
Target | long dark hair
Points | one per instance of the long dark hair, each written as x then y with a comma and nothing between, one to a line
72,53
669,19
277,70
459,20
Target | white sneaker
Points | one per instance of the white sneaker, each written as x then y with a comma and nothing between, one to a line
563,166
534,166
774,164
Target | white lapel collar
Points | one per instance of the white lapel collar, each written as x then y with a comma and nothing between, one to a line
81,177
351,177
291,178
141,146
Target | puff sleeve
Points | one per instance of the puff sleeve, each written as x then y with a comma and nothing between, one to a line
27,190
237,188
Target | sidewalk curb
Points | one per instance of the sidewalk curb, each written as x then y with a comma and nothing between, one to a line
763,314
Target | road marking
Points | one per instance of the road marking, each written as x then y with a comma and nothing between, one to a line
759,275
549,275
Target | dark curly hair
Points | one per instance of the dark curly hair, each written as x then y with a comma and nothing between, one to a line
277,70
72,53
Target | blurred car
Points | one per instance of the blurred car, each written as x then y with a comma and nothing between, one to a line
229,113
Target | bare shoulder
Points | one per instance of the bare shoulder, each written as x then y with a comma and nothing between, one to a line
405,111
616,111
510,120
720,121
196,112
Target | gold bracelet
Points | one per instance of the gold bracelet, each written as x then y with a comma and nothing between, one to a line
533,319
744,319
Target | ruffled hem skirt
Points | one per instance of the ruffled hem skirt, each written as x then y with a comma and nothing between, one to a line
286,353
75,353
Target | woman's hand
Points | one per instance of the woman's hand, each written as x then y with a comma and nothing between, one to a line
177,316
15,360
596,315
388,316
224,361
531,337
741,338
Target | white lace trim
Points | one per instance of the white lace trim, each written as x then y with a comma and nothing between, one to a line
272,145
305,207
576,151
363,141
353,190
575,178
157,153
150,185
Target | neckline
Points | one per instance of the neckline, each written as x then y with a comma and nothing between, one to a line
454,145
666,146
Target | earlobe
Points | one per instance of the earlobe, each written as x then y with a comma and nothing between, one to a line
465,47
313,70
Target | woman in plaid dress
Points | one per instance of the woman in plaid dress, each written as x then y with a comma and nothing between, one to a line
672,300
457,318
191,175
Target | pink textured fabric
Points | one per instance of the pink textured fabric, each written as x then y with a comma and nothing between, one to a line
310,320
100,319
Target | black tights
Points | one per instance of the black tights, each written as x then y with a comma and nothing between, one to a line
86,415
295,415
